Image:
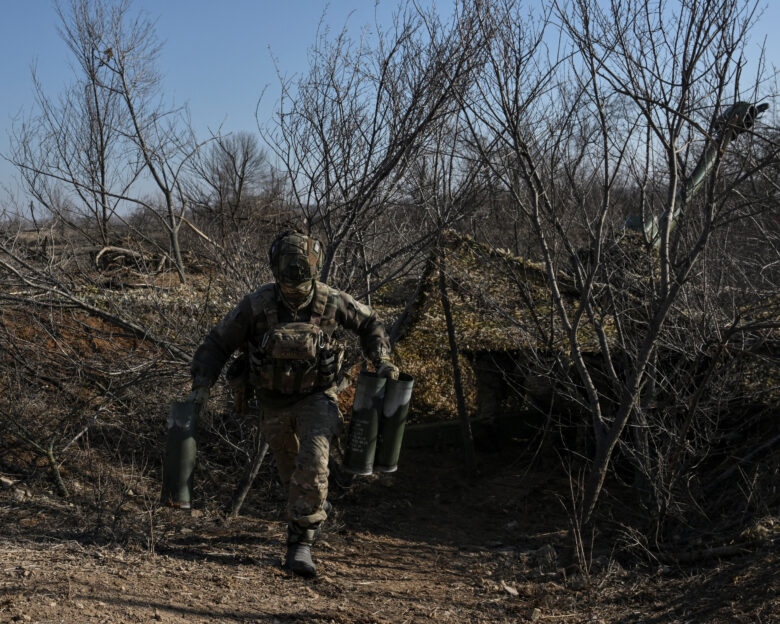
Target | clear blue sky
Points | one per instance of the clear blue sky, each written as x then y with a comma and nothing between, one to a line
216,55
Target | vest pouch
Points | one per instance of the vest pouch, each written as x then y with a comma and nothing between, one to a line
288,358
293,341
330,365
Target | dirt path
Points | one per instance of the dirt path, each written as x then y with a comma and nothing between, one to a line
66,583
422,546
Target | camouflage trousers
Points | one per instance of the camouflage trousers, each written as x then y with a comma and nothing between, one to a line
299,436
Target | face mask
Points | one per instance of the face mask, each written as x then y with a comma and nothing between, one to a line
296,294
294,268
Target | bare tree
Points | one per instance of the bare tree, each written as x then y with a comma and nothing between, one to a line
228,178
346,131
110,140
72,144
162,141
635,97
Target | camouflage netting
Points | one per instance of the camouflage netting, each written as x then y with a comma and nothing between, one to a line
502,304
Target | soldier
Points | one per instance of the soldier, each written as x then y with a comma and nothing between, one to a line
286,330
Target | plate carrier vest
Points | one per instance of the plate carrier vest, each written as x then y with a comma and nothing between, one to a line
296,357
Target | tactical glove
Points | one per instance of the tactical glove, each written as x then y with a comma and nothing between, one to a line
199,394
386,368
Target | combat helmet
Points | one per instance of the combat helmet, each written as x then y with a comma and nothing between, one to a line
295,257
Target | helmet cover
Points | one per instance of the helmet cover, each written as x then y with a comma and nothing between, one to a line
295,258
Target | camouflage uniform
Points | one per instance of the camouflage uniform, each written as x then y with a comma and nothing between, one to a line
297,426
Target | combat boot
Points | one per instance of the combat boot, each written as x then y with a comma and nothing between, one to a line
299,545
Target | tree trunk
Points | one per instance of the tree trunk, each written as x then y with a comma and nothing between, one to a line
463,417
173,232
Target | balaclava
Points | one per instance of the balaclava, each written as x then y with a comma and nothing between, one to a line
296,260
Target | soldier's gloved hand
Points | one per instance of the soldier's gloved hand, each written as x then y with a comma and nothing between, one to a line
386,368
199,394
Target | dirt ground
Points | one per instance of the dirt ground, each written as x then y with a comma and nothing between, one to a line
423,545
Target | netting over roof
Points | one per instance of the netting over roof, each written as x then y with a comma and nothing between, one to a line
499,302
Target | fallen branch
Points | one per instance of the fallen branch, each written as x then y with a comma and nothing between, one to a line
121,251
704,554
47,285
86,427
250,473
